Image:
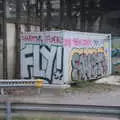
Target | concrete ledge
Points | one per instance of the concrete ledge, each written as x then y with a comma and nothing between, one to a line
55,86
112,80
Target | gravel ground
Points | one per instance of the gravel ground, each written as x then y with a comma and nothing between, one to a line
93,94
98,94
48,116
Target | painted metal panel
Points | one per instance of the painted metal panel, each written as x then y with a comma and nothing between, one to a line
61,56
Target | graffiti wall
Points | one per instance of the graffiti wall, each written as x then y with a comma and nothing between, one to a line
90,55
116,55
61,56
88,64
42,57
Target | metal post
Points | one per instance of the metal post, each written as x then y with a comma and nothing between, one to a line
5,72
82,16
2,91
69,13
28,15
8,111
38,90
41,15
39,12
17,44
62,3
48,19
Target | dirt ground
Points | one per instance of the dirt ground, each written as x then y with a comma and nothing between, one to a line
88,94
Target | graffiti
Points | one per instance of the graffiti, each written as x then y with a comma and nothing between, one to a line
76,42
59,56
116,61
116,52
88,64
41,61
43,39
116,68
116,55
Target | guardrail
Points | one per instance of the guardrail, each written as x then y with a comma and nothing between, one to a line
110,111
20,83
37,83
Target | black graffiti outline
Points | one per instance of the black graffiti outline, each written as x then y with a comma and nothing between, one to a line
52,75
95,66
29,67
41,56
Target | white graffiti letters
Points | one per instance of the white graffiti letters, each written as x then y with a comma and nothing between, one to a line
26,56
41,61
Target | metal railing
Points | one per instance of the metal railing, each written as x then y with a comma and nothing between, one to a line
17,83
37,83
29,83
20,83
10,108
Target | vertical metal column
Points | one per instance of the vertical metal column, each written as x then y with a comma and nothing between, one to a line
5,72
62,4
48,18
28,15
82,16
2,91
39,12
8,111
17,44
69,14
41,15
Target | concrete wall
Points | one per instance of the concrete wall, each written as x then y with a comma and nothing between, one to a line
11,49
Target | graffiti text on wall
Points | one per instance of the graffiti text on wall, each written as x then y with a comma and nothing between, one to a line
116,61
88,64
116,55
41,61
76,42
43,39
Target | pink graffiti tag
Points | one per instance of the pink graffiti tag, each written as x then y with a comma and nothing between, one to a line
67,42
29,38
77,42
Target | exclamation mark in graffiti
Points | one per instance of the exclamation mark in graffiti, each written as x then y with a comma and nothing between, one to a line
59,58
58,74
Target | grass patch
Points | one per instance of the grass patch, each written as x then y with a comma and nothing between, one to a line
19,118
81,84
42,118
89,87
15,118
33,118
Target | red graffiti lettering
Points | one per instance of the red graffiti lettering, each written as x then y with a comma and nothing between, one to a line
29,38
67,42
